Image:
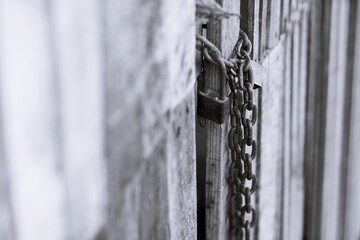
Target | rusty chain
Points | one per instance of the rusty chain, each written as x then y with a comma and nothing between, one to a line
242,144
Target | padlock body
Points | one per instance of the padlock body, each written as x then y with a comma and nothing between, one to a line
211,107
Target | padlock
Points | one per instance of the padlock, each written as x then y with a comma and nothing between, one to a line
211,107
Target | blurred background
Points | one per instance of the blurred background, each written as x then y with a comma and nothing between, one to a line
99,136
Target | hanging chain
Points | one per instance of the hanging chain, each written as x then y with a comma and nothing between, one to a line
242,143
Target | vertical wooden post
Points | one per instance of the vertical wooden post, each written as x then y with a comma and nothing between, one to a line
315,119
150,118
274,21
334,128
224,35
293,160
324,156
351,166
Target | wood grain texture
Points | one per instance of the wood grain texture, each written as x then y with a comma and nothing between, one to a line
250,12
224,35
293,163
263,17
274,21
334,123
351,176
286,161
149,98
315,119
270,154
285,14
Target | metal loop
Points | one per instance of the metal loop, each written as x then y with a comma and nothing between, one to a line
241,77
238,47
253,216
243,149
207,56
231,138
250,76
248,93
253,115
248,165
247,42
248,132
236,112
231,80
233,144
253,182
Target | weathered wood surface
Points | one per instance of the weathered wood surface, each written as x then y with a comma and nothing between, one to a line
97,120
269,182
351,176
351,227
315,119
334,129
263,16
304,166
224,35
281,40
330,132
150,110
273,23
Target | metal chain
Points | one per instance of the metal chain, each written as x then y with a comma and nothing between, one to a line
242,143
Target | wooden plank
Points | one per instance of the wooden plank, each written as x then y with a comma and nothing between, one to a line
250,13
334,123
77,36
285,15
293,220
224,35
286,141
251,16
263,16
295,152
294,5
351,226
274,21
315,121
351,176
30,121
149,98
297,205
295,189
271,144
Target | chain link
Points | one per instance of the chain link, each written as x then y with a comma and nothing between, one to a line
241,141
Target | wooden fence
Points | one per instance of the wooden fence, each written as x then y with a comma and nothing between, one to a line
98,120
